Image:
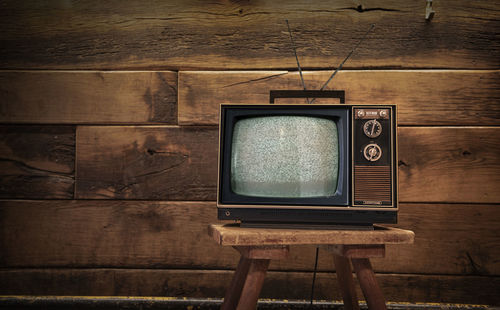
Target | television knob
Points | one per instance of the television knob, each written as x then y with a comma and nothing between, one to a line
372,128
383,113
372,152
361,113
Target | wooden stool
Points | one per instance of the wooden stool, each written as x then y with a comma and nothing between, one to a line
258,246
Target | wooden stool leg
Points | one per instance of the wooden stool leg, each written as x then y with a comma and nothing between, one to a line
233,292
346,282
368,282
253,284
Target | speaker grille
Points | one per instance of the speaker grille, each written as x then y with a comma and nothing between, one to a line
372,183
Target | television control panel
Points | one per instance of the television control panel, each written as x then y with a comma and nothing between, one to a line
373,158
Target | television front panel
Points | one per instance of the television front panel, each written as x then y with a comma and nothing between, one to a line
312,164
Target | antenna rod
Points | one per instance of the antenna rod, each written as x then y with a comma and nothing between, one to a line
343,62
296,58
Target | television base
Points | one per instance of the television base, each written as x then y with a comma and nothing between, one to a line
312,226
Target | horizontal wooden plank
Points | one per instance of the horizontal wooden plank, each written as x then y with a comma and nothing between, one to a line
37,162
180,163
424,97
449,238
88,97
81,233
169,163
187,34
212,284
467,97
233,235
449,164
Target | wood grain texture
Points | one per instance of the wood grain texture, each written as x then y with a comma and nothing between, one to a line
449,238
212,283
37,162
168,163
261,252
452,164
233,235
88,97
424,97
233,291
345,282
99,233
253,284
359,250
230,35
440,73
369,284
180,163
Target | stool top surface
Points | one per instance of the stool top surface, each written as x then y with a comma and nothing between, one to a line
234,235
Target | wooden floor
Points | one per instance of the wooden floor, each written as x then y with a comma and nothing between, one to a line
108,302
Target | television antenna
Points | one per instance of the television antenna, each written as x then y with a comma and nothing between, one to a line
336,70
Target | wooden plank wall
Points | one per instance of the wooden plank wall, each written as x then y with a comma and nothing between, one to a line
108,139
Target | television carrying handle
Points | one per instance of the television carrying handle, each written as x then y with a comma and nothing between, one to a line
273,94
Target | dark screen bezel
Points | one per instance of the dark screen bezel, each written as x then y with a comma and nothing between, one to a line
231,114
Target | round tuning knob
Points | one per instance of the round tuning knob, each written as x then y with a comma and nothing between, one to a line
372,128
372,152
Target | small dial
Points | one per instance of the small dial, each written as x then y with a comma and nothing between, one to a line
372,128
372,152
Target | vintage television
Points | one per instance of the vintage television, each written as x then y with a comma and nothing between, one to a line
307,164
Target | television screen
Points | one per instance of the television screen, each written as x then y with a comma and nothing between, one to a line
285,156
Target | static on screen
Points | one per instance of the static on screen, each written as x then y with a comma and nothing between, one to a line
285,157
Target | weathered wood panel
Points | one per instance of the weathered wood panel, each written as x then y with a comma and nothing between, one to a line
236,236
88,97
190,34
450,238
212,284
37,162
424,97
168,163
451,164
180,163
109,233
454,258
